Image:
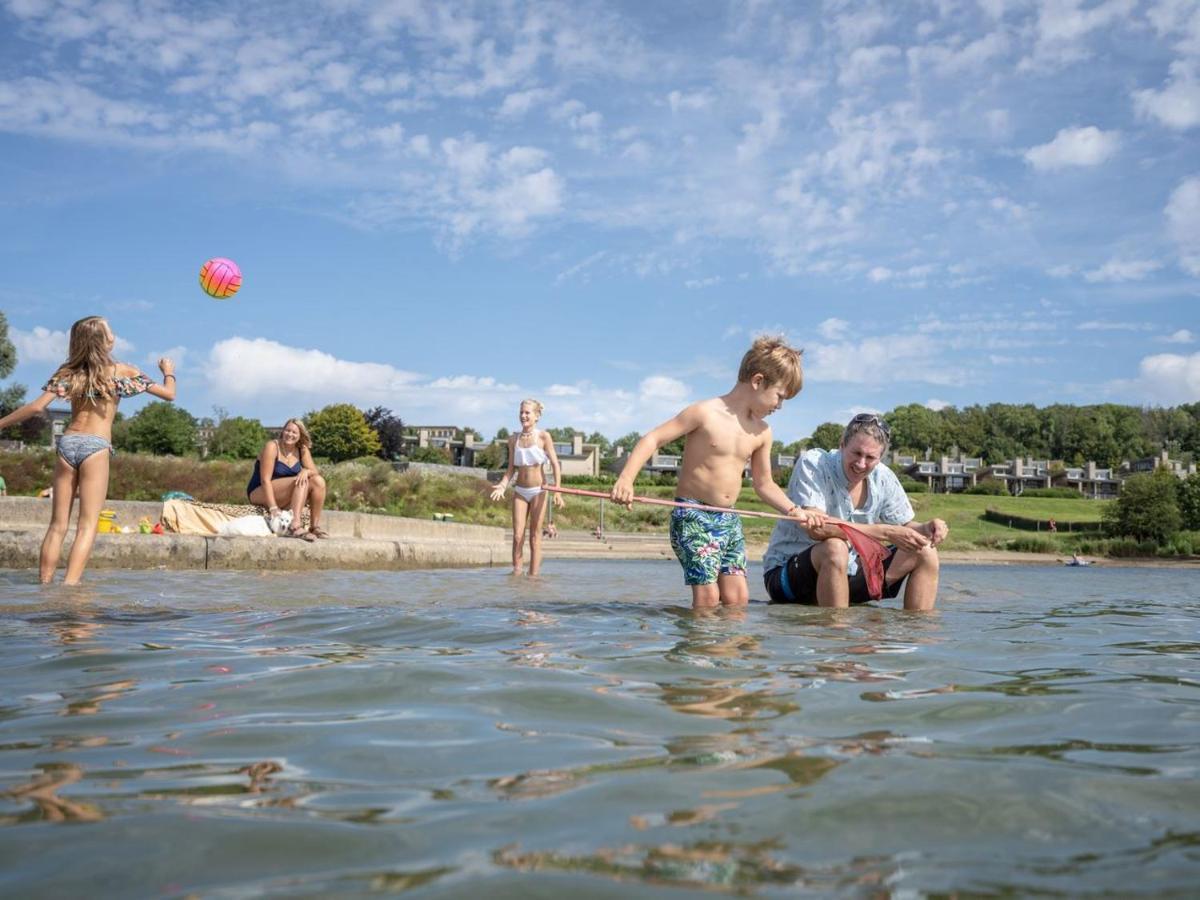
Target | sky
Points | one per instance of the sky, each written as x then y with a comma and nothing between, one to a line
445,207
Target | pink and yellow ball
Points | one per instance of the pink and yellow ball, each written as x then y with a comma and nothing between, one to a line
220,278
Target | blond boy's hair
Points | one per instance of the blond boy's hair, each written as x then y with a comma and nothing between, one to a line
537,406
777,361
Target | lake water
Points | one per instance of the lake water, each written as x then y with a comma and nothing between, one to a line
461,734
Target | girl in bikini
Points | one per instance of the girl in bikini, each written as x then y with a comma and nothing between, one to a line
293,482
94,383
528,451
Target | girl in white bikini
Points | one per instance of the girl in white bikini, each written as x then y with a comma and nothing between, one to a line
528,451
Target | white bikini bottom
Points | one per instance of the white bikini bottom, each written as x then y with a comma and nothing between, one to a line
527,493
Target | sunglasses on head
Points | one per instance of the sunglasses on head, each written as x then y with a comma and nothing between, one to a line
872,419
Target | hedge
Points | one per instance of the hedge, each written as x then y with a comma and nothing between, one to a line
1027,524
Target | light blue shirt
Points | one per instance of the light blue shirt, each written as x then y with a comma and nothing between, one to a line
819,481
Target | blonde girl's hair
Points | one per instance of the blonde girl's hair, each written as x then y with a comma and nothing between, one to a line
537,406
89,366
305,442
777,361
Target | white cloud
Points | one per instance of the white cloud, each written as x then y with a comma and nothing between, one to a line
659,389
42,345
833,329
1168,379
936,405
949,59
693,284
177,354
519,103
1177,105
259,369
1063,27
678,101
1183,223
1096,325
245,367
913,357
1074,147
866,64
1116,270
1182,336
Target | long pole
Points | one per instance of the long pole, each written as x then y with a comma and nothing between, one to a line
579,492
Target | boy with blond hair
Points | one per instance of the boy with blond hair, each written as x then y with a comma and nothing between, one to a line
721,434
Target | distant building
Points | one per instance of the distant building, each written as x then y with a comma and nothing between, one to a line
1148,464
1020,475
575,457
944,475
1090,480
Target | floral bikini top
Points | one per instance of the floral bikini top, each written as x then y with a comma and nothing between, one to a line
123,385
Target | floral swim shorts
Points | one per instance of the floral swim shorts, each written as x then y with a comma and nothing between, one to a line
708,544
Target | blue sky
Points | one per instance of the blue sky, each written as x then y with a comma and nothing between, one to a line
444,207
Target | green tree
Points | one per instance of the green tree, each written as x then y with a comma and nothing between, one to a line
390,431
8,352
438,455
1147,509
13,396
1189,502
159,427
600,441
492,457
826,436
502,434
918,428
627,441
235,437
340,431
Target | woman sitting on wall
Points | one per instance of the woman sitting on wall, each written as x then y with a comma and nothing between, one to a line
294,480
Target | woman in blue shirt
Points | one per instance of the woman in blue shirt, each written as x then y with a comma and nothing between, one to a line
816,566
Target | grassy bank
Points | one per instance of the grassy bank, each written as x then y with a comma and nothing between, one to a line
373,486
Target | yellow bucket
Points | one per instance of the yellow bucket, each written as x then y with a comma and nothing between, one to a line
107,521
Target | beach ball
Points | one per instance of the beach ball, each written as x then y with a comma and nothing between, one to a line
220,278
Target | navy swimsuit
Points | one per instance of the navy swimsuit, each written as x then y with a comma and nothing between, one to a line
280,471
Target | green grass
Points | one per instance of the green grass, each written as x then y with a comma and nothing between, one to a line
366,486
968,530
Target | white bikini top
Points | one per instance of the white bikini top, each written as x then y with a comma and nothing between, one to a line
528,456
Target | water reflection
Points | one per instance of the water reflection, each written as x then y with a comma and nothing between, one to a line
43,790
710,865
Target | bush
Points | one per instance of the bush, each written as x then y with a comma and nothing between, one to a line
1061,493
914,487
992,486
1034,545
604,478
1124,547
158,427
783,475
1147,510
237,438
437,455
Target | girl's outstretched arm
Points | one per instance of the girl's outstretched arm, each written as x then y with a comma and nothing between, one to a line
166,390
27,411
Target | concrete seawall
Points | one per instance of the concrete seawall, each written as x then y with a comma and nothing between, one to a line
359,541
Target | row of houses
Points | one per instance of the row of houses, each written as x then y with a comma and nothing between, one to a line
947,475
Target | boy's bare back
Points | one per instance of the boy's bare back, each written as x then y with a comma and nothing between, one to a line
718,444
